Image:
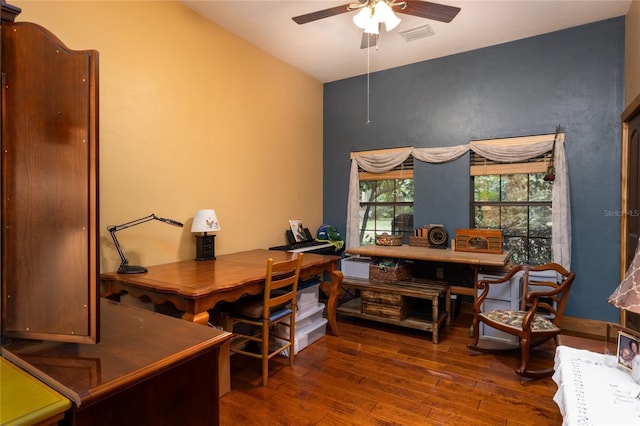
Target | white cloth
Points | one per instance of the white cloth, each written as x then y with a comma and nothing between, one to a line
593,390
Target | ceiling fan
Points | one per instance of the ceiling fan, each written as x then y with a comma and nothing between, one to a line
372,13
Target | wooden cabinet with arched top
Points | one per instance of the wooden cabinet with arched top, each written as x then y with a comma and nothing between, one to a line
49,185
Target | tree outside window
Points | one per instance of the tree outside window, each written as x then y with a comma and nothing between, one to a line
520,205
386,206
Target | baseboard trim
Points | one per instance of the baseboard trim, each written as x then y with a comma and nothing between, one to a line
583,327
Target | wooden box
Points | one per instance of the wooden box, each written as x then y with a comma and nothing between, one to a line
381,298
385,311
386,305
401,272
479,240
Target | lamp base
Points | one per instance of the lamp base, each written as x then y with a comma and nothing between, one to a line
131,269
205,247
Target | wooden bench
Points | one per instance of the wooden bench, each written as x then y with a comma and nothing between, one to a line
398,303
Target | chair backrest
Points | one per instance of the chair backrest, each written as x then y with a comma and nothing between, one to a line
281,284
547,286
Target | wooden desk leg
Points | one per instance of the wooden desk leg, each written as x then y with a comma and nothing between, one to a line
435,320
224,361
224,369
224,356
336,280
199,318
447,303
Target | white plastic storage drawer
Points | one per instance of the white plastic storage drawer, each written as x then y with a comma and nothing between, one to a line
355,267
308,296
303,319
306,336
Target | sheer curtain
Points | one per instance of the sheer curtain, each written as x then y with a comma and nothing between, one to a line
511,149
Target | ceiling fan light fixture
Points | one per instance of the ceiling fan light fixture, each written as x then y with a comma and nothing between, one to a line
387,16
375,13
363,18
373,27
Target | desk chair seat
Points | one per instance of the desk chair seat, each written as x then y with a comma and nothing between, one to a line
545,290
260,314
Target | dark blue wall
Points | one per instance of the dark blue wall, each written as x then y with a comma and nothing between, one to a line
572,78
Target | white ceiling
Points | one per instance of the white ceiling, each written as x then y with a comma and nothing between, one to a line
329,49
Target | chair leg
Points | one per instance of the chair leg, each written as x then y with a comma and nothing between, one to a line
523,371
524,355
292,340
265,352
475,330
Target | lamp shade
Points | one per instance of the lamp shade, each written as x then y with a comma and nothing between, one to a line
627,295
362,18
205,221
384,14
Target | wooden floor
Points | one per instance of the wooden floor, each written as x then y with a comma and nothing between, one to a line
373,374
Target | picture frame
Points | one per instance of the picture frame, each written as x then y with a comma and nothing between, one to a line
627,349
297,229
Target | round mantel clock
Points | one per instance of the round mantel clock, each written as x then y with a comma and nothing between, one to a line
438,237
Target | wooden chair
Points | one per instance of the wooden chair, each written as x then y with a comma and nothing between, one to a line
545,290
260,315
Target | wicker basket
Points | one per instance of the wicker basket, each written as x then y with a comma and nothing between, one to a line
388,240
388,274
419,242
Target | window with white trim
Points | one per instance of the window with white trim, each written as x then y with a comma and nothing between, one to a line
386,203
515,197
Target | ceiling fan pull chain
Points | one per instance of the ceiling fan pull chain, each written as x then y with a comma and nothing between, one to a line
368,85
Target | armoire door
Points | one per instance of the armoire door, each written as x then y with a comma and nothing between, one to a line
49,187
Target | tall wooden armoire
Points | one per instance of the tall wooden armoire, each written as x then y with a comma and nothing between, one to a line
49,168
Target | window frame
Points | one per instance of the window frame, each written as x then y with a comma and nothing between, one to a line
401,172
481,166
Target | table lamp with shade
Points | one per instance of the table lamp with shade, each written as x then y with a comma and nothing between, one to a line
627,297
205,221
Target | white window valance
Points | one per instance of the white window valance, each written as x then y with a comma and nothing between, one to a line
503,150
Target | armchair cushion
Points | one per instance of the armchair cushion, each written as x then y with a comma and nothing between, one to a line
514,319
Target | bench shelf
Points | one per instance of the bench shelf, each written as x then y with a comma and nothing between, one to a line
395,303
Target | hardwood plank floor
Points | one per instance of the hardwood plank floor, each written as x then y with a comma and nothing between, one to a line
375,374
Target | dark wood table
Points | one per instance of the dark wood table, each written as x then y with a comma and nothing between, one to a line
195,287
148,369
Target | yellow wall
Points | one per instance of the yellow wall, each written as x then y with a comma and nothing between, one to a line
192,116
632,53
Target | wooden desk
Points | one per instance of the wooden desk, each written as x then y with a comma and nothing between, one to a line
26,400
148,369
474,260
195,287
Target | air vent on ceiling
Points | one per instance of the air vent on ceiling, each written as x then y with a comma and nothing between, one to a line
416,33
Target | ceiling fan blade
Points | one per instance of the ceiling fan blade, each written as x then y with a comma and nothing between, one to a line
428,10
368,40
320,14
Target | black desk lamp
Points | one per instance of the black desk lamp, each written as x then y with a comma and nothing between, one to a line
125,268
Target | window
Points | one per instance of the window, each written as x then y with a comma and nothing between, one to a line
386,203
517,199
